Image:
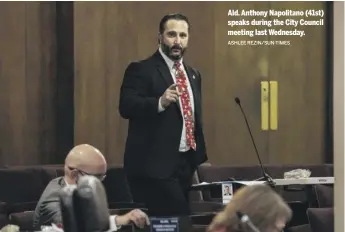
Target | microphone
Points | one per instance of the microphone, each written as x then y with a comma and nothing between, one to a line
246,220
265,176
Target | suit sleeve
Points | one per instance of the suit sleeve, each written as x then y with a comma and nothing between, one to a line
135,101
197,73
200,85
50,211
200,89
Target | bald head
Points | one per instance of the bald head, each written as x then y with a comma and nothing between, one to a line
86,158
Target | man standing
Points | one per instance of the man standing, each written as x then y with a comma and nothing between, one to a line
161,97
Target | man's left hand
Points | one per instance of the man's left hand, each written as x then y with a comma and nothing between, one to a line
138,217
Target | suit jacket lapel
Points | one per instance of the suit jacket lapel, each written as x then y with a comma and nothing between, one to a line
195,90
165,73
62,182
191,78
163,68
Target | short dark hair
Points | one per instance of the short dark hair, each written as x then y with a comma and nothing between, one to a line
176,16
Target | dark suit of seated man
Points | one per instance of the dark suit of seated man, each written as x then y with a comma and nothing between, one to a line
81,160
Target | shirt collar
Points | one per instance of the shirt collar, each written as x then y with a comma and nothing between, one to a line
67,184
168,61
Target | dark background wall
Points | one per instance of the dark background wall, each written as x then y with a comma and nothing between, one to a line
62,63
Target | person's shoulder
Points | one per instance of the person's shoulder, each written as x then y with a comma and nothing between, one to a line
54,186
192,68
50,194
58,182
195,71
148,61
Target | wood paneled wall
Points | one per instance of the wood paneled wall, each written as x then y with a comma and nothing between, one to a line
109,35
61,66
27,82
36,82
65,79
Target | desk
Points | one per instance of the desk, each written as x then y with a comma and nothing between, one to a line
278,182
304,184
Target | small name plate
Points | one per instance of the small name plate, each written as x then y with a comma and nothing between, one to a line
164,224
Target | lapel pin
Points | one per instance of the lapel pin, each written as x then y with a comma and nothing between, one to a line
193,77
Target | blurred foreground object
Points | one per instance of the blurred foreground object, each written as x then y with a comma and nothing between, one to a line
10,228
90,205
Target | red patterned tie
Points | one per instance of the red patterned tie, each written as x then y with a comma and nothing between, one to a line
186,105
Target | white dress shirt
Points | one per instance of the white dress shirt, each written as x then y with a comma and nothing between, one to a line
183,143
112,223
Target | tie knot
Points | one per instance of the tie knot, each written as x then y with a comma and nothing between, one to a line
177,64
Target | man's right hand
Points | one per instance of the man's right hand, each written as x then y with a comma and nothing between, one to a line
170,95
138,217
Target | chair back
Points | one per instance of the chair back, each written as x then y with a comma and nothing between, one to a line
91,207
67,209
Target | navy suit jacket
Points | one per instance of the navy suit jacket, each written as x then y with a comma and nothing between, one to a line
153,138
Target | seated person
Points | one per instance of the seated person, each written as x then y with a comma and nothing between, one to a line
266,210
81,160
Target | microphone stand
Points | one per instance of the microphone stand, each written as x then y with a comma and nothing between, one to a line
265,176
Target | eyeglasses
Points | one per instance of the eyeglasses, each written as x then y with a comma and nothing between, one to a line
101,177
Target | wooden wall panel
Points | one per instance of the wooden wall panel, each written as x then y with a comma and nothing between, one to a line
90,74
109,35
12,21
238,71
27,79
64,79
37,69
120,50
300,72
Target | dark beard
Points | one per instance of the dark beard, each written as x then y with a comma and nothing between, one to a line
168,51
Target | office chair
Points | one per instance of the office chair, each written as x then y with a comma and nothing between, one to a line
90,205
67,209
